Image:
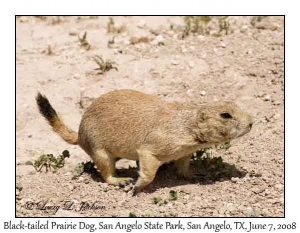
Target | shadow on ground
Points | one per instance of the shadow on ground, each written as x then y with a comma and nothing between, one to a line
206,172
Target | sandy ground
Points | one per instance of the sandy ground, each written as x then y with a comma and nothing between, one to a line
246,66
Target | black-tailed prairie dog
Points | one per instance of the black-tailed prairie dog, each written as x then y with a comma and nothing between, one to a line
134,125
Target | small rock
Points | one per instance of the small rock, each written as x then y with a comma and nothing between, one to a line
201,37
80,179
23,19
249,210
75,201
244,29
186,197
276,103
202,93
141,24
278,187
86,181
276,116
73,32
234,179
250,51
24,201
191,64
192,48
266,26
258,190
267,98
174,62
230,207
190,92
223,45
127,42
71,187
158,40
265,212
127,188
76,76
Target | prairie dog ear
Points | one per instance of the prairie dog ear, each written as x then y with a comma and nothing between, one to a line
201,115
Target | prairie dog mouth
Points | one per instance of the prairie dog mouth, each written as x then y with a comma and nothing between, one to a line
244,131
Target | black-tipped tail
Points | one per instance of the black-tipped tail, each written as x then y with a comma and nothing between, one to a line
45,107
57,123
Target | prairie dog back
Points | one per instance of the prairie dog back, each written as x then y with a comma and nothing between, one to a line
121,120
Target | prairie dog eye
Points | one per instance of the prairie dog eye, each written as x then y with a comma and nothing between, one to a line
225,115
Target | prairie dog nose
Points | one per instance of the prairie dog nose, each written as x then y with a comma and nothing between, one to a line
250,125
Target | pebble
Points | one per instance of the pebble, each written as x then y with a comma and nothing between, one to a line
278,187
127,188
141,24
174,62
258,190
234,179
244,29
276,116
250,51
73,32
186,197
201,37
80,179
266,26
249,210
24,201
191,64
202,93
267,98
230,207
158,40
276,103
71,187
76,76
190,92
265,212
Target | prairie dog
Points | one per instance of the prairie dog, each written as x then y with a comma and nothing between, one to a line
134,125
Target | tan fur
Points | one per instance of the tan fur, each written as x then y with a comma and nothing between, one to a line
134,125
62,130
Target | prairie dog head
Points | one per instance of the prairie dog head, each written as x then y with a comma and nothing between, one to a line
221,122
